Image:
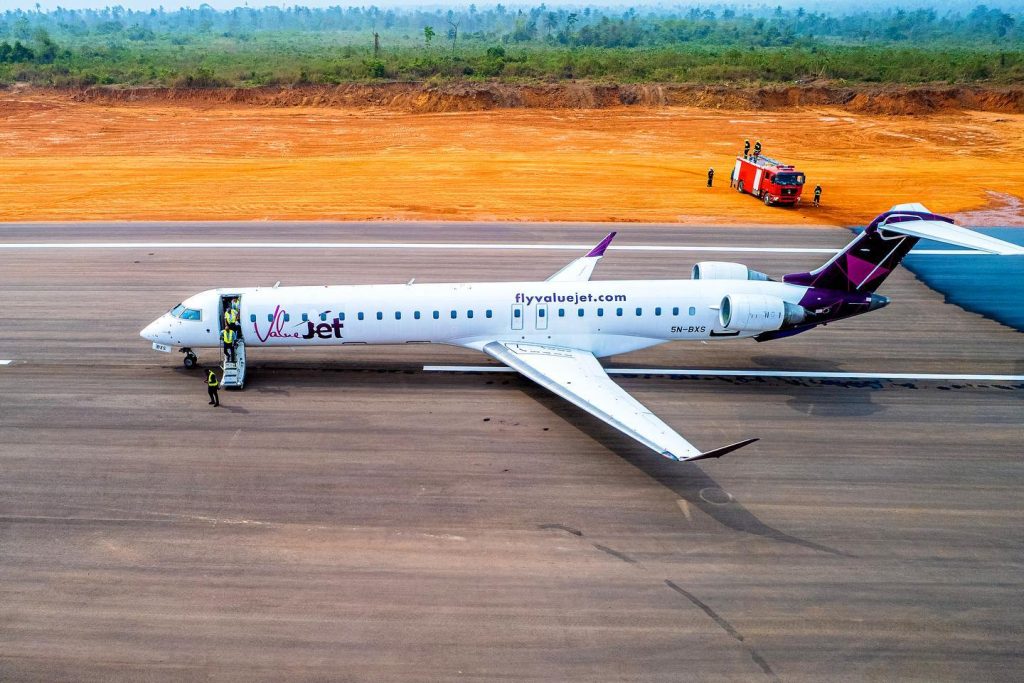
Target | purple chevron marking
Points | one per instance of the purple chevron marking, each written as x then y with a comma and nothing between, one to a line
600,248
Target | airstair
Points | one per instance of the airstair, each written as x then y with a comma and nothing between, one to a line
234,372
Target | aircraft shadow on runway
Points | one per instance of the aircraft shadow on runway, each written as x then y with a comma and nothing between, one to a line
687,480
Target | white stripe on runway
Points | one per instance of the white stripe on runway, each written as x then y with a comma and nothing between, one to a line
440,246
6,362
755,373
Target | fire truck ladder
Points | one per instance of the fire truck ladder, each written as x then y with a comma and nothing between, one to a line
234,372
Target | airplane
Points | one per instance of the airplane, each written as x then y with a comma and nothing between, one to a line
554,331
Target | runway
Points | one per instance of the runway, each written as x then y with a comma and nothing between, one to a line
351,516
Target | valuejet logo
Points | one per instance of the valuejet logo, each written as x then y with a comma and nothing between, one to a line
578,298
275,329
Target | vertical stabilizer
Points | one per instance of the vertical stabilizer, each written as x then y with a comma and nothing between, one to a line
866,261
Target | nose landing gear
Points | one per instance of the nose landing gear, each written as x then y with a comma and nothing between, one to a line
190,359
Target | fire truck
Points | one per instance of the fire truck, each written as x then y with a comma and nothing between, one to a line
769,180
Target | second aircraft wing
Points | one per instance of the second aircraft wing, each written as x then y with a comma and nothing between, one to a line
578,377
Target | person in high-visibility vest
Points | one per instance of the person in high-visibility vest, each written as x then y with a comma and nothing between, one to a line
228,336
746,148
231,318
211,387
817,195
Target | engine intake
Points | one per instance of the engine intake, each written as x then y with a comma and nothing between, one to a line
758,313
724,270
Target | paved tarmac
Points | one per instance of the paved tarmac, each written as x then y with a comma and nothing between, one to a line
351,517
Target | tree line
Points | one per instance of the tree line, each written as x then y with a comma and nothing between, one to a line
255,46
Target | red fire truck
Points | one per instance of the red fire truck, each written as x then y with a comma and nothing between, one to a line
769,180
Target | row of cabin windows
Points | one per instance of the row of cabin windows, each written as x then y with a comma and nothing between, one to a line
580,312
380,316
517,313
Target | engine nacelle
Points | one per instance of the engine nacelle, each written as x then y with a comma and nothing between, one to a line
758,313
723,270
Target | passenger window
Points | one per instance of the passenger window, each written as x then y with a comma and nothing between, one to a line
398,315
469,314
489,313
380,315
541,312
693,311
657,310
416,315
675,310
252,317
639,312
287,317
270,317
618,312
579,313
517,313
455,314
341,317
360,315
305,318
561,312
437,315
600,313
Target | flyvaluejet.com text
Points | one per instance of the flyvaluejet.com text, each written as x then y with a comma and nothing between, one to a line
578,298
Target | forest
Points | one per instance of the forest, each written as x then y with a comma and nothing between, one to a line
248,47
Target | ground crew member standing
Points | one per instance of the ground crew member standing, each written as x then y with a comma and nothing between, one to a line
817,195
711,176
211,387
757,148
732,178
231,318
746,148
228,336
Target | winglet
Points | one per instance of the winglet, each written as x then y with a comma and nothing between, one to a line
719,452
600,248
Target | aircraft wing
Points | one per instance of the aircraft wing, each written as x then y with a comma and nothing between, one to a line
582,268
578,377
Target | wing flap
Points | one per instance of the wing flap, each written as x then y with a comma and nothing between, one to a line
578,377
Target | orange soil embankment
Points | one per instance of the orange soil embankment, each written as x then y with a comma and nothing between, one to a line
68,159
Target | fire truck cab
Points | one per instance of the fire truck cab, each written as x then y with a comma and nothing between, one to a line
769,180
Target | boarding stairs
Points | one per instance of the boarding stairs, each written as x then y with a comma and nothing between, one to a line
233,376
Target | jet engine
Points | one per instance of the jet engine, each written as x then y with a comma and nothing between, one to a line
723,270
758,313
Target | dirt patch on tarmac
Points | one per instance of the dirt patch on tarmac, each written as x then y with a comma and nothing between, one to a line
89,156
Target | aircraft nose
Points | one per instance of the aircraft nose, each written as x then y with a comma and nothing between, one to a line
149,331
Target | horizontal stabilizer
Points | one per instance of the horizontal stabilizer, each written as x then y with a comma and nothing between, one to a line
941,231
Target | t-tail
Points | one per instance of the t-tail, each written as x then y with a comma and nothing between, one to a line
866,261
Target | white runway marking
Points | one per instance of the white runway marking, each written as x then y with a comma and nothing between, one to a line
756,373
441,246
6,362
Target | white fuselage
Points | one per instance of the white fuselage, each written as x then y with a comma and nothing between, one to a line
604,317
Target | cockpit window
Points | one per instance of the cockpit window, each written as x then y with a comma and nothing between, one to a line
180,311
